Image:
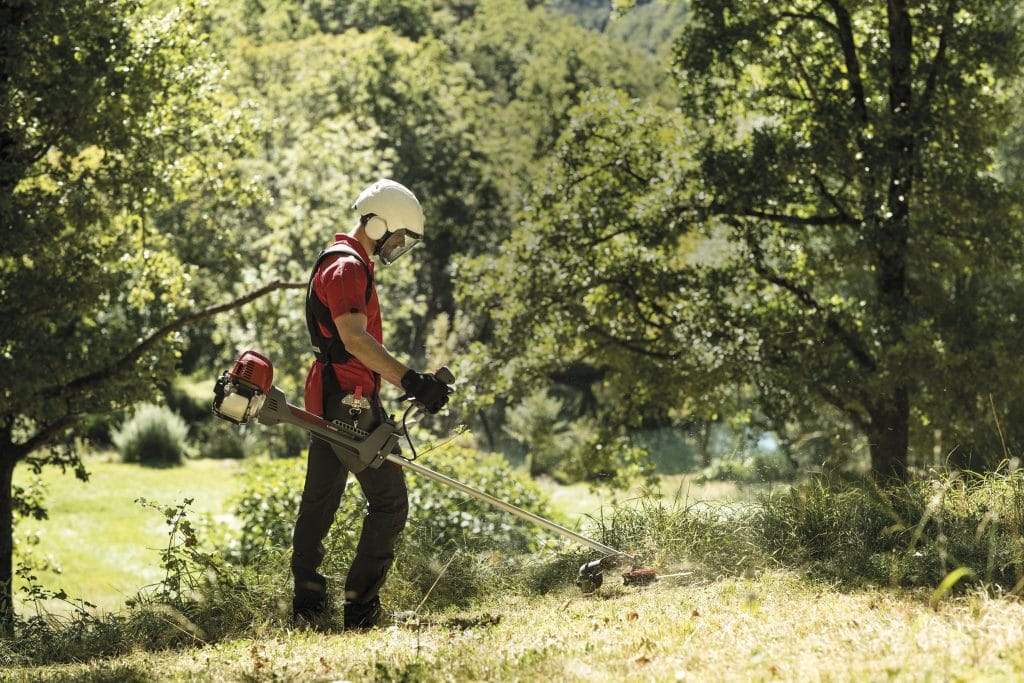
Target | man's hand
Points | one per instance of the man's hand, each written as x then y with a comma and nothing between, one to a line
426,389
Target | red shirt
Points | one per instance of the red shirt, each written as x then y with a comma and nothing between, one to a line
340,282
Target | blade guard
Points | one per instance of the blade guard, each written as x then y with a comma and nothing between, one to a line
238,395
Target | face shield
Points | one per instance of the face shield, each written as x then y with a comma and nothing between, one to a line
392,245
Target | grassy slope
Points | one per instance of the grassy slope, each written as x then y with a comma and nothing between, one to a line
774,627
100,544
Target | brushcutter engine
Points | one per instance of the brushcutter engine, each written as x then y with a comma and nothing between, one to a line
239,395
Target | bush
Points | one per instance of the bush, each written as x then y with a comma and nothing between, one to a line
444,515
756,468
153,435
439,515
220,440
534,423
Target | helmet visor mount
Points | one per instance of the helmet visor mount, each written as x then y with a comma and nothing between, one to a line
394,244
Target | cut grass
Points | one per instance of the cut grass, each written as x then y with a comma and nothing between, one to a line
98,543
777,626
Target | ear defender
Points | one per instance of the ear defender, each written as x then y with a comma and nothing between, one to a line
376,227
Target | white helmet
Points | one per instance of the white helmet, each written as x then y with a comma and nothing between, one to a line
395,218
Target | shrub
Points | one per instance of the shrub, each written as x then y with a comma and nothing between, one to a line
153,435
758,467
443,515
220,440
534,423
439,515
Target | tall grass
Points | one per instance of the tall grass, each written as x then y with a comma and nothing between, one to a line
911,535
951,523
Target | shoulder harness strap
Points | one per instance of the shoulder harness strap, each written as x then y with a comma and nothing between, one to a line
329,349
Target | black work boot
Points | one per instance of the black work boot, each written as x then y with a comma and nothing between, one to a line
311,606
362,616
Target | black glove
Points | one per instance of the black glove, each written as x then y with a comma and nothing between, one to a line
426,389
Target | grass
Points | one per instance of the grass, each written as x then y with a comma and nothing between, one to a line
573,501
101,546
775,626
836,614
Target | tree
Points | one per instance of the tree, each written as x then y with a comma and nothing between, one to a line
819,220
110,121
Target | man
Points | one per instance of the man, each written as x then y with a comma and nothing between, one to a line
343,316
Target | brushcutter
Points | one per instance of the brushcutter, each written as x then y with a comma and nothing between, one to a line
247,393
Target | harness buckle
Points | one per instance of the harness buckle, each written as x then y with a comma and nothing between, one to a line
356,401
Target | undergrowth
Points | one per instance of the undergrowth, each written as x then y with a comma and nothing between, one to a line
946,532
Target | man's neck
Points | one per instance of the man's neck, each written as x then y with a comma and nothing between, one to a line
359,234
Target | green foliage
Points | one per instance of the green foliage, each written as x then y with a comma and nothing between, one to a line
117,147
189,570
946,533
439,515
201,599
153,435
442,515
148,127
267,505
535,423
213,440
603,455
702,538
808,226
751,468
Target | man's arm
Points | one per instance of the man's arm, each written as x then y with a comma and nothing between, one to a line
358,342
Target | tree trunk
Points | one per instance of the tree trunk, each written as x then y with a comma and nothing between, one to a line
7,462
889,437
705,444
890,416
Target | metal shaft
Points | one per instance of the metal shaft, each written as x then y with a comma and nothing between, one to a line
507,507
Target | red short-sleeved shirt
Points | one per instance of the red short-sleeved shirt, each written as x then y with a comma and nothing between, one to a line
340,282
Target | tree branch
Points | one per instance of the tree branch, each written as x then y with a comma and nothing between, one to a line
844,26
42,437
834,200
860,421
813,16
847,339
133,355
835,219
806,78
940,57
631,345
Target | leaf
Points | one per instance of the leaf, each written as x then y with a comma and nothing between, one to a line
947,584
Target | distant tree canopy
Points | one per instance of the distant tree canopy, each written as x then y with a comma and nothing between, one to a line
461,111
820,220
